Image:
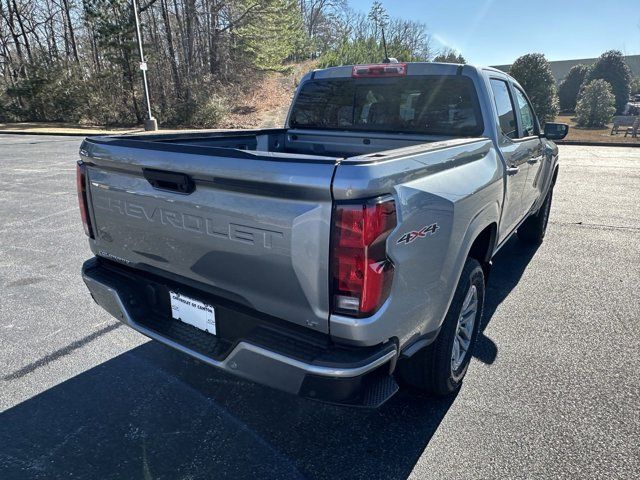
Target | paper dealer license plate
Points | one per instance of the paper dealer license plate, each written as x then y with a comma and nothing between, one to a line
193,312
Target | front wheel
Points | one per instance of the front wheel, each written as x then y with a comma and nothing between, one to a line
533,229
440,368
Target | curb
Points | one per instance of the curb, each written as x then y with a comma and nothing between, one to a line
51,134
59,134
596,144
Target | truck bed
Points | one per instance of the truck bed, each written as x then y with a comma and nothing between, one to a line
317,145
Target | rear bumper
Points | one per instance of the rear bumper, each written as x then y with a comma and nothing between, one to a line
262,352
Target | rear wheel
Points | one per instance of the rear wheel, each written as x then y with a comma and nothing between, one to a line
440,368
533,229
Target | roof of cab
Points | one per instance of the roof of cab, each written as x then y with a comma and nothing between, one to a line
413,68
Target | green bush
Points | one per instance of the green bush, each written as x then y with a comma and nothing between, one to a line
533,72
569,88
612,68
107,100
8,109
210,113
51,93
596,104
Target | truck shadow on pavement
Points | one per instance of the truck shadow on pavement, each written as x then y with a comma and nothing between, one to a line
508,266
154,413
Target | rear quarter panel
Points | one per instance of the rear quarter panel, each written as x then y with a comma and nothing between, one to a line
457,185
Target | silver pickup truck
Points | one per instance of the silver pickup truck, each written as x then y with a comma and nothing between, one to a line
338,254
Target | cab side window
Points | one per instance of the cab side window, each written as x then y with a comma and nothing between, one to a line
526,114
504,105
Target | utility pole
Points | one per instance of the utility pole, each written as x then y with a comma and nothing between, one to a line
150,123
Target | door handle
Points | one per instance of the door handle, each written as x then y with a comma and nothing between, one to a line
533,161
512,170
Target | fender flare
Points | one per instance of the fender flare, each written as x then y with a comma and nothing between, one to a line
485,217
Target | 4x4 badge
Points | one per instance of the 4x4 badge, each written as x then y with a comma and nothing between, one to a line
411,236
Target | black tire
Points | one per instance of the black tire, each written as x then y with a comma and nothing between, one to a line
533,229
430,369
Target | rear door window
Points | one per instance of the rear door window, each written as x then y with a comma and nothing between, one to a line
434,105
504,106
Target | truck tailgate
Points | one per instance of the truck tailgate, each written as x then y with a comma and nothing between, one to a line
255,228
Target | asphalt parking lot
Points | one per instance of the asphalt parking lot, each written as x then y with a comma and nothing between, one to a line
552,393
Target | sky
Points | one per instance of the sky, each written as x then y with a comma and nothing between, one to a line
496,32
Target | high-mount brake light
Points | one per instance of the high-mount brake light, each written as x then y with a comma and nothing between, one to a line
361,271
81,183
379,70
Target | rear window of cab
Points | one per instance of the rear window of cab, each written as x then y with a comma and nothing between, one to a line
430,105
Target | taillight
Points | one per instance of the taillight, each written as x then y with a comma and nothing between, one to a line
81,184
379,70
361,271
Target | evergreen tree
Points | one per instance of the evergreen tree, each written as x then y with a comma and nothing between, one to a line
114,35
270,34
612,68
570,87
596,104
533,72
449,56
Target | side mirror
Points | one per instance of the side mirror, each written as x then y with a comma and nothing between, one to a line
555,131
